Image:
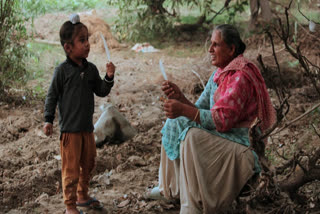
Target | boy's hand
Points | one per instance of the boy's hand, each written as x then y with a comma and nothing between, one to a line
48,129
110,69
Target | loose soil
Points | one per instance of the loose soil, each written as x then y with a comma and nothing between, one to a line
30,179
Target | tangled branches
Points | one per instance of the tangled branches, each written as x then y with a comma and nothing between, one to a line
279,186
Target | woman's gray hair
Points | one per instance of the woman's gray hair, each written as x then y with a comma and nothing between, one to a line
231,36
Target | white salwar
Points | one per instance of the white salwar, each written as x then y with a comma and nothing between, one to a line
209,175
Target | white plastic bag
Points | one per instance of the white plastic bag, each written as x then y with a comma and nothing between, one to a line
144,48
112,127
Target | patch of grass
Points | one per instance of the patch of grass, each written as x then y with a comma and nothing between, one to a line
293,64
40,66
310,14
72,5
184,50
189,19
41,59
271,156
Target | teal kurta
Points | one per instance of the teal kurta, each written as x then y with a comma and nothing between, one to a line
176,129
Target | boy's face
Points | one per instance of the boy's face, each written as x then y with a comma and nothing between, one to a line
80,48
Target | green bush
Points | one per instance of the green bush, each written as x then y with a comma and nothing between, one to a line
49,6
12,47
141,20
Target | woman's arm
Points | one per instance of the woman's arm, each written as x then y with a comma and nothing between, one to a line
200,112
231,106
204,100
174,108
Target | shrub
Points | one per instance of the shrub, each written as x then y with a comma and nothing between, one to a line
12,46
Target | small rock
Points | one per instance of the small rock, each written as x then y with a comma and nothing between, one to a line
44,197
123,203
137,161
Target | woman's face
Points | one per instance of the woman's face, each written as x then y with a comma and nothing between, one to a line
221,53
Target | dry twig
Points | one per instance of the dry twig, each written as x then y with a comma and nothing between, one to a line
296,119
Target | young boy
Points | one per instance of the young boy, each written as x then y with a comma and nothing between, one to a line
74,83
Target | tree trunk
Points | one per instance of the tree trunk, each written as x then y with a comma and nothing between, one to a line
265,9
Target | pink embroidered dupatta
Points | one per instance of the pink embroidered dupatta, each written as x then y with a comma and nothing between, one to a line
236,79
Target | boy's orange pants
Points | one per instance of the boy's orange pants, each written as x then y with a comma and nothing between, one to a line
78,152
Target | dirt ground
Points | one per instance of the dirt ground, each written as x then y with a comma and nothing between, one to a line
30,180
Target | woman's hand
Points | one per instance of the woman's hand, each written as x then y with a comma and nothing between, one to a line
48,129
173,108
110,69
171,90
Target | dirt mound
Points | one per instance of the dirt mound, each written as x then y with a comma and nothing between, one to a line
47,28
96,26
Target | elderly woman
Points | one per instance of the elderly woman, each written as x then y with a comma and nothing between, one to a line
205,160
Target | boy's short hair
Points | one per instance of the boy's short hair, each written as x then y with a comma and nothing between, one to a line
69,30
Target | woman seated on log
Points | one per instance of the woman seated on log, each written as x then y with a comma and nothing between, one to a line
205,159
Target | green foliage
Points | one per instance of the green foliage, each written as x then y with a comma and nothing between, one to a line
293,64
238,7
31,8
141,20
270,155
149,27
48,6
12,47
146,19
188,19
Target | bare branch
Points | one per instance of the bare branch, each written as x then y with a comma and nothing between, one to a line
301,176
315,130
302,168
306,16
305,65
306,31
281,169
274,55
217,13
296,119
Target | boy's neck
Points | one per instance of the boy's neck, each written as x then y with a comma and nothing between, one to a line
76,61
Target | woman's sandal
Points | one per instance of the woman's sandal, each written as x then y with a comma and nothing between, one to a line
92,203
